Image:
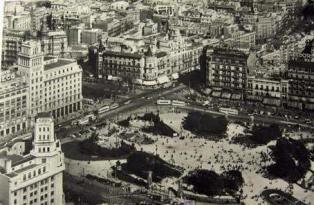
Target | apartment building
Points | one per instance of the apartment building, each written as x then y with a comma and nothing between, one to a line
35,178
11,45
227,69
267,90
300,74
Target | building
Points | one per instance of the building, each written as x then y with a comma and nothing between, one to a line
11,45
35,178
1,29
227,69
55,84
90,36
74,35
149,62
267,90
13,104
53,43
123,65
20,22
37,18
300,74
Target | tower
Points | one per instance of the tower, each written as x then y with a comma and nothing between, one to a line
31,65
45,143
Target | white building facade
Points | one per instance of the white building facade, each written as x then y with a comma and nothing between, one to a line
55,84
35,178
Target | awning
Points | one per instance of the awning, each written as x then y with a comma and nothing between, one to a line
271,101
309,106
216,93
175,76
150,83
138,81
163,79
293,104
254,98
226,95
236,97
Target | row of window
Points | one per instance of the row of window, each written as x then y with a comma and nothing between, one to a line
30,175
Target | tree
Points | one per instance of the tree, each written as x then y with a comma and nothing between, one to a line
264,134
205,124
292,160
210,183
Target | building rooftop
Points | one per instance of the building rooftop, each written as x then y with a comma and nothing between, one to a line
301,64
43,115
229,52
17,159
121,54
60,62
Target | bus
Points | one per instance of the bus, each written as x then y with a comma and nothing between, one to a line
229,111
103,109
114,106
83,121
163,102
178,103
88,101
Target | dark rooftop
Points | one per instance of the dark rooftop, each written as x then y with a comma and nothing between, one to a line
60,62
161,54
121,54
229,52
301,64
43,115
17,159
46,58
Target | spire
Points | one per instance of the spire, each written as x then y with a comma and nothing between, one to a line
149,52
101,45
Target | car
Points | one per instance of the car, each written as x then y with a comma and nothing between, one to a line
148,98
73,136
127,102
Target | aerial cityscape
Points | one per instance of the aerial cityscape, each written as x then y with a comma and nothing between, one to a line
155,102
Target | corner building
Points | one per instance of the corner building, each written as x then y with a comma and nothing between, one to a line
55,84
35,178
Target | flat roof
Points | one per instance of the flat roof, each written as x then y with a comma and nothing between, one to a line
17,159
60,62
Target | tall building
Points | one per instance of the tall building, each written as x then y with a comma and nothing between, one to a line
11,45
227,69
13,104
1,29
35,178
300,74
53,43
55,84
